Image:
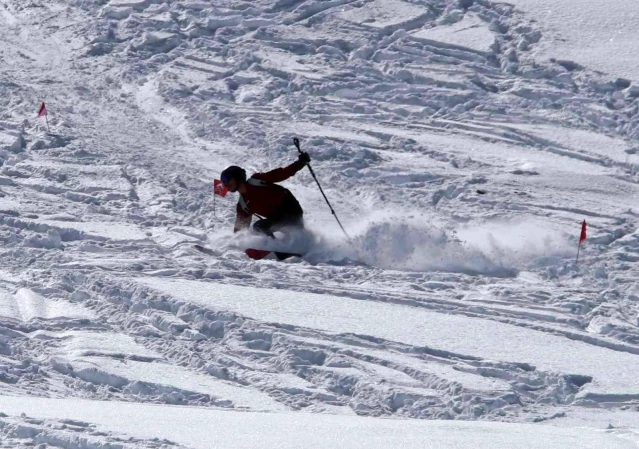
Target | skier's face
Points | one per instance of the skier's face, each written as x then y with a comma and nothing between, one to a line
232,185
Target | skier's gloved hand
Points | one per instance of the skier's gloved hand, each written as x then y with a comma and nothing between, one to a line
304,158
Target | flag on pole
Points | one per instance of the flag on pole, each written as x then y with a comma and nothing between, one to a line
582,238
42,111
219,188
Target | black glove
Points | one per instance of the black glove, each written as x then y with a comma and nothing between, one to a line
304,158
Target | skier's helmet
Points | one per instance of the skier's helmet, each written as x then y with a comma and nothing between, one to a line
233,172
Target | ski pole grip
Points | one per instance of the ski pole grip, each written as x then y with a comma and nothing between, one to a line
296,142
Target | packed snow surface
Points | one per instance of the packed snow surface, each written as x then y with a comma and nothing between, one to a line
199,428
598,34
461,143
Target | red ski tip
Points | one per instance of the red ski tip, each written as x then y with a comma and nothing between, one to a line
257,254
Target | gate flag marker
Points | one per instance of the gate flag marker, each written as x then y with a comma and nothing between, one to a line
218,189
582,238
43,111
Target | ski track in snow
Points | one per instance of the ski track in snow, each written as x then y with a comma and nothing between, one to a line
461,159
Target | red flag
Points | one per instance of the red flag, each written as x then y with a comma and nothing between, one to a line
583,233
42,111
219,188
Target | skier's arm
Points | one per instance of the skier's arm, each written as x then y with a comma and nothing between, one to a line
242,220
282,174
279,174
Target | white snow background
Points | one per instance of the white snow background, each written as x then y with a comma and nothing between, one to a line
461,143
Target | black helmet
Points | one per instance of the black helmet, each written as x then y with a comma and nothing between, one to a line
233,172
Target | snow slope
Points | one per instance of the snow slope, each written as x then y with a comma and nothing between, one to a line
612,371
462,143
200,428
589,33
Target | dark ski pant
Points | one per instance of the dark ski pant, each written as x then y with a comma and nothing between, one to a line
268,226
289,216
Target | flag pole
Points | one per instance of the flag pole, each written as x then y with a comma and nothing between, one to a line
578,248
43,111
222,192
582,238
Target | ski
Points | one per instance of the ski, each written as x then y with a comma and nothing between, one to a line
259,254
255,254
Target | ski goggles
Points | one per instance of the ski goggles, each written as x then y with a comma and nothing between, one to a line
225,179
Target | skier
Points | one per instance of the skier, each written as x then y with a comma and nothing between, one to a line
275,205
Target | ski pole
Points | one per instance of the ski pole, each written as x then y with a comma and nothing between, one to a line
296,141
